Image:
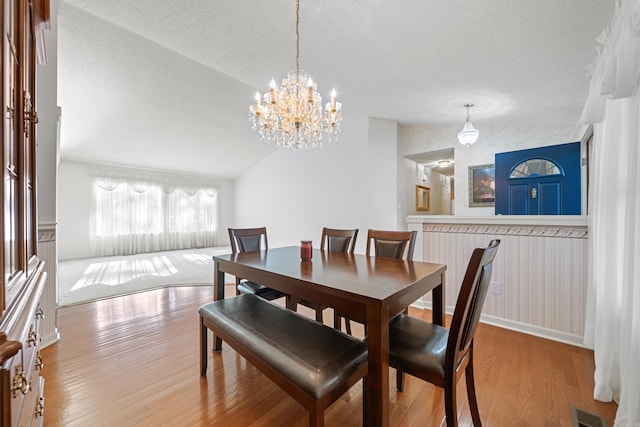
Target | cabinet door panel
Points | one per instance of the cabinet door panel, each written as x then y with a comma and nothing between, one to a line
11,150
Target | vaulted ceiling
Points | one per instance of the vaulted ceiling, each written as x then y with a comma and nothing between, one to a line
166,84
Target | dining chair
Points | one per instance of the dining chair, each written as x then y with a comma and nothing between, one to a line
391,244
439,355
383,244
251,240
332,240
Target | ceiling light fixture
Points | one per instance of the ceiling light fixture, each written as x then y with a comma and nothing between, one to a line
468,135
444,163
291,115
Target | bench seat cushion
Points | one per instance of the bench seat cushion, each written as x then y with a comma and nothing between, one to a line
309,354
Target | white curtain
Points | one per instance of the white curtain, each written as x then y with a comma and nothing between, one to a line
612,325
190,218
135,215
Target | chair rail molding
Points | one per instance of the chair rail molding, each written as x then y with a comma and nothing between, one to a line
540,273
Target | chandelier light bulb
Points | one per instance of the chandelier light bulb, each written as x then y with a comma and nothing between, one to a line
332,105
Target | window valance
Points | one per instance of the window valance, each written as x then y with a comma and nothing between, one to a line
139,184
616,70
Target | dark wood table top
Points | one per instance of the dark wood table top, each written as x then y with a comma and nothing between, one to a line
359,275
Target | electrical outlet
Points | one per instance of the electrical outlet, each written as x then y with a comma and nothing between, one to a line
496,288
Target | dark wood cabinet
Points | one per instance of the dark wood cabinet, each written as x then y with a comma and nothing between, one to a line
23,276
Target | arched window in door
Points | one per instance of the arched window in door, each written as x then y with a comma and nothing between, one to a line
535,167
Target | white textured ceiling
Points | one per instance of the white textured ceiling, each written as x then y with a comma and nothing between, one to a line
166,84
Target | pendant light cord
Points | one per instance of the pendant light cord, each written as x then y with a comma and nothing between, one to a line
298,37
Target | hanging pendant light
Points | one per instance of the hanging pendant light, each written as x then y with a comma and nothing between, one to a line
291,115
468,135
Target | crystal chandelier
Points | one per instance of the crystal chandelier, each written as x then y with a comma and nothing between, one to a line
291,115
468,135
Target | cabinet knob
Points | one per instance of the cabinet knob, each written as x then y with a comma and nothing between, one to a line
39,408
39,362
20,383
33,337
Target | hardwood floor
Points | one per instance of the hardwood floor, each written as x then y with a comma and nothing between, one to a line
133,360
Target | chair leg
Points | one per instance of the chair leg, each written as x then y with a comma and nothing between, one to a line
203,348
337,321
399,380
471,391
365,412
450,401
290,303
319,318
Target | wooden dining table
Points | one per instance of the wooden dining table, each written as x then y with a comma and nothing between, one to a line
369,288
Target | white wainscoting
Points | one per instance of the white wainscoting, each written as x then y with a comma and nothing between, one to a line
541,267
47,252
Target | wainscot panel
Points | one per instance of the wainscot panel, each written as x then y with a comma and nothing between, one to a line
539,283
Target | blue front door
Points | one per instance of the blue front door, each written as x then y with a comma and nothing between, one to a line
539,181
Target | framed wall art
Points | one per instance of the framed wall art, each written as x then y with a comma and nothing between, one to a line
423,198
482,190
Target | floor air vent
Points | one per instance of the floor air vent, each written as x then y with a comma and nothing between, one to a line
582,418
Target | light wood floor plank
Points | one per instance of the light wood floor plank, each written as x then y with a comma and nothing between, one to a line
133,361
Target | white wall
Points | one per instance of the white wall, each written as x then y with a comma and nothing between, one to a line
413,174
74,209
445,195
420,139
406,190
364,180
47,128
347,184
381,181
47,175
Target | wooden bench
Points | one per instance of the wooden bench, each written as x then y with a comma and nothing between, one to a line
313,363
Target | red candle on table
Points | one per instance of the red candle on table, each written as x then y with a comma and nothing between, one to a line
306,250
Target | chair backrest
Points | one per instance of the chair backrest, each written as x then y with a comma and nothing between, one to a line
335,240
391,244
469,304
248,239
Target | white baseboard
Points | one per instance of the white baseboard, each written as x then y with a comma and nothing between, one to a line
550,334
49,339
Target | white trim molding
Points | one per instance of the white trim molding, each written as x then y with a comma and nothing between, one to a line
48,252
550,334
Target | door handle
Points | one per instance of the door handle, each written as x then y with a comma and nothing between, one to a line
534,193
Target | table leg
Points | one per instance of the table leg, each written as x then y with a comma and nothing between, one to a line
438,303
218,294
377,382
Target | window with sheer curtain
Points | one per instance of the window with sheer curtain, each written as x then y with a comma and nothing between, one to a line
612,325
136,215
